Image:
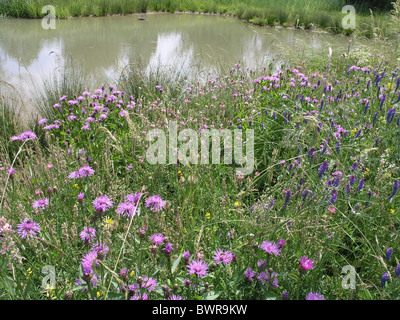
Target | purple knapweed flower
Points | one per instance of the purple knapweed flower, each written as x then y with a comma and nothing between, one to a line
315,296
168,248
88,262
221,256
28,229
87,235
139,296
270,248
198,267
85,171
285,295
80,197
186,255
27,135
263,277
100,247
126,209
155,203
157,238
41,203
134,198
149,284
281,243
306,263
249,274
11,173
102,204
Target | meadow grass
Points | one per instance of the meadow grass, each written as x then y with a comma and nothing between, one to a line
324,15
322,196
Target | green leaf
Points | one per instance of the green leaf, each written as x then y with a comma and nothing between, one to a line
211,295
116,296
79,288
176,263
270,296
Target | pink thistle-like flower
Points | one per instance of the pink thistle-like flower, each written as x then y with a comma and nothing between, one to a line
223,256
99,247
27,135
157,238
88,262
270,248
149,284
102,204
80,197
168,248
198,267
281,243
126,209
134,198
85,171
155,203
87,235
315,296
249,274
28,229
306,263
175,297
41,203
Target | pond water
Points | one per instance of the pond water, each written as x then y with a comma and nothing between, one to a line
101,47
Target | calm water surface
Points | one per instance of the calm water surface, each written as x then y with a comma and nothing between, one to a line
101,47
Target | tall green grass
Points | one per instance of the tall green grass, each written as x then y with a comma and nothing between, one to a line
288,13
68,81
10,124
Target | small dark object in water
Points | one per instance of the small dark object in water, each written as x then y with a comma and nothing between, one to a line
141,17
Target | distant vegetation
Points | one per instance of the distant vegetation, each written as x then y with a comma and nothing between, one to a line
310,14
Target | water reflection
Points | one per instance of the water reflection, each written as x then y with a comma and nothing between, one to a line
103,46
173,49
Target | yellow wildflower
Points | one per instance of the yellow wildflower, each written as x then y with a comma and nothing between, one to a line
208,215
76,186
108,222
388,175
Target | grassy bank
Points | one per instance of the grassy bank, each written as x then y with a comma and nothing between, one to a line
79,192
299,13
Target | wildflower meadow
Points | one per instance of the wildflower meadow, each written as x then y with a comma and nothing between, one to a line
88,212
